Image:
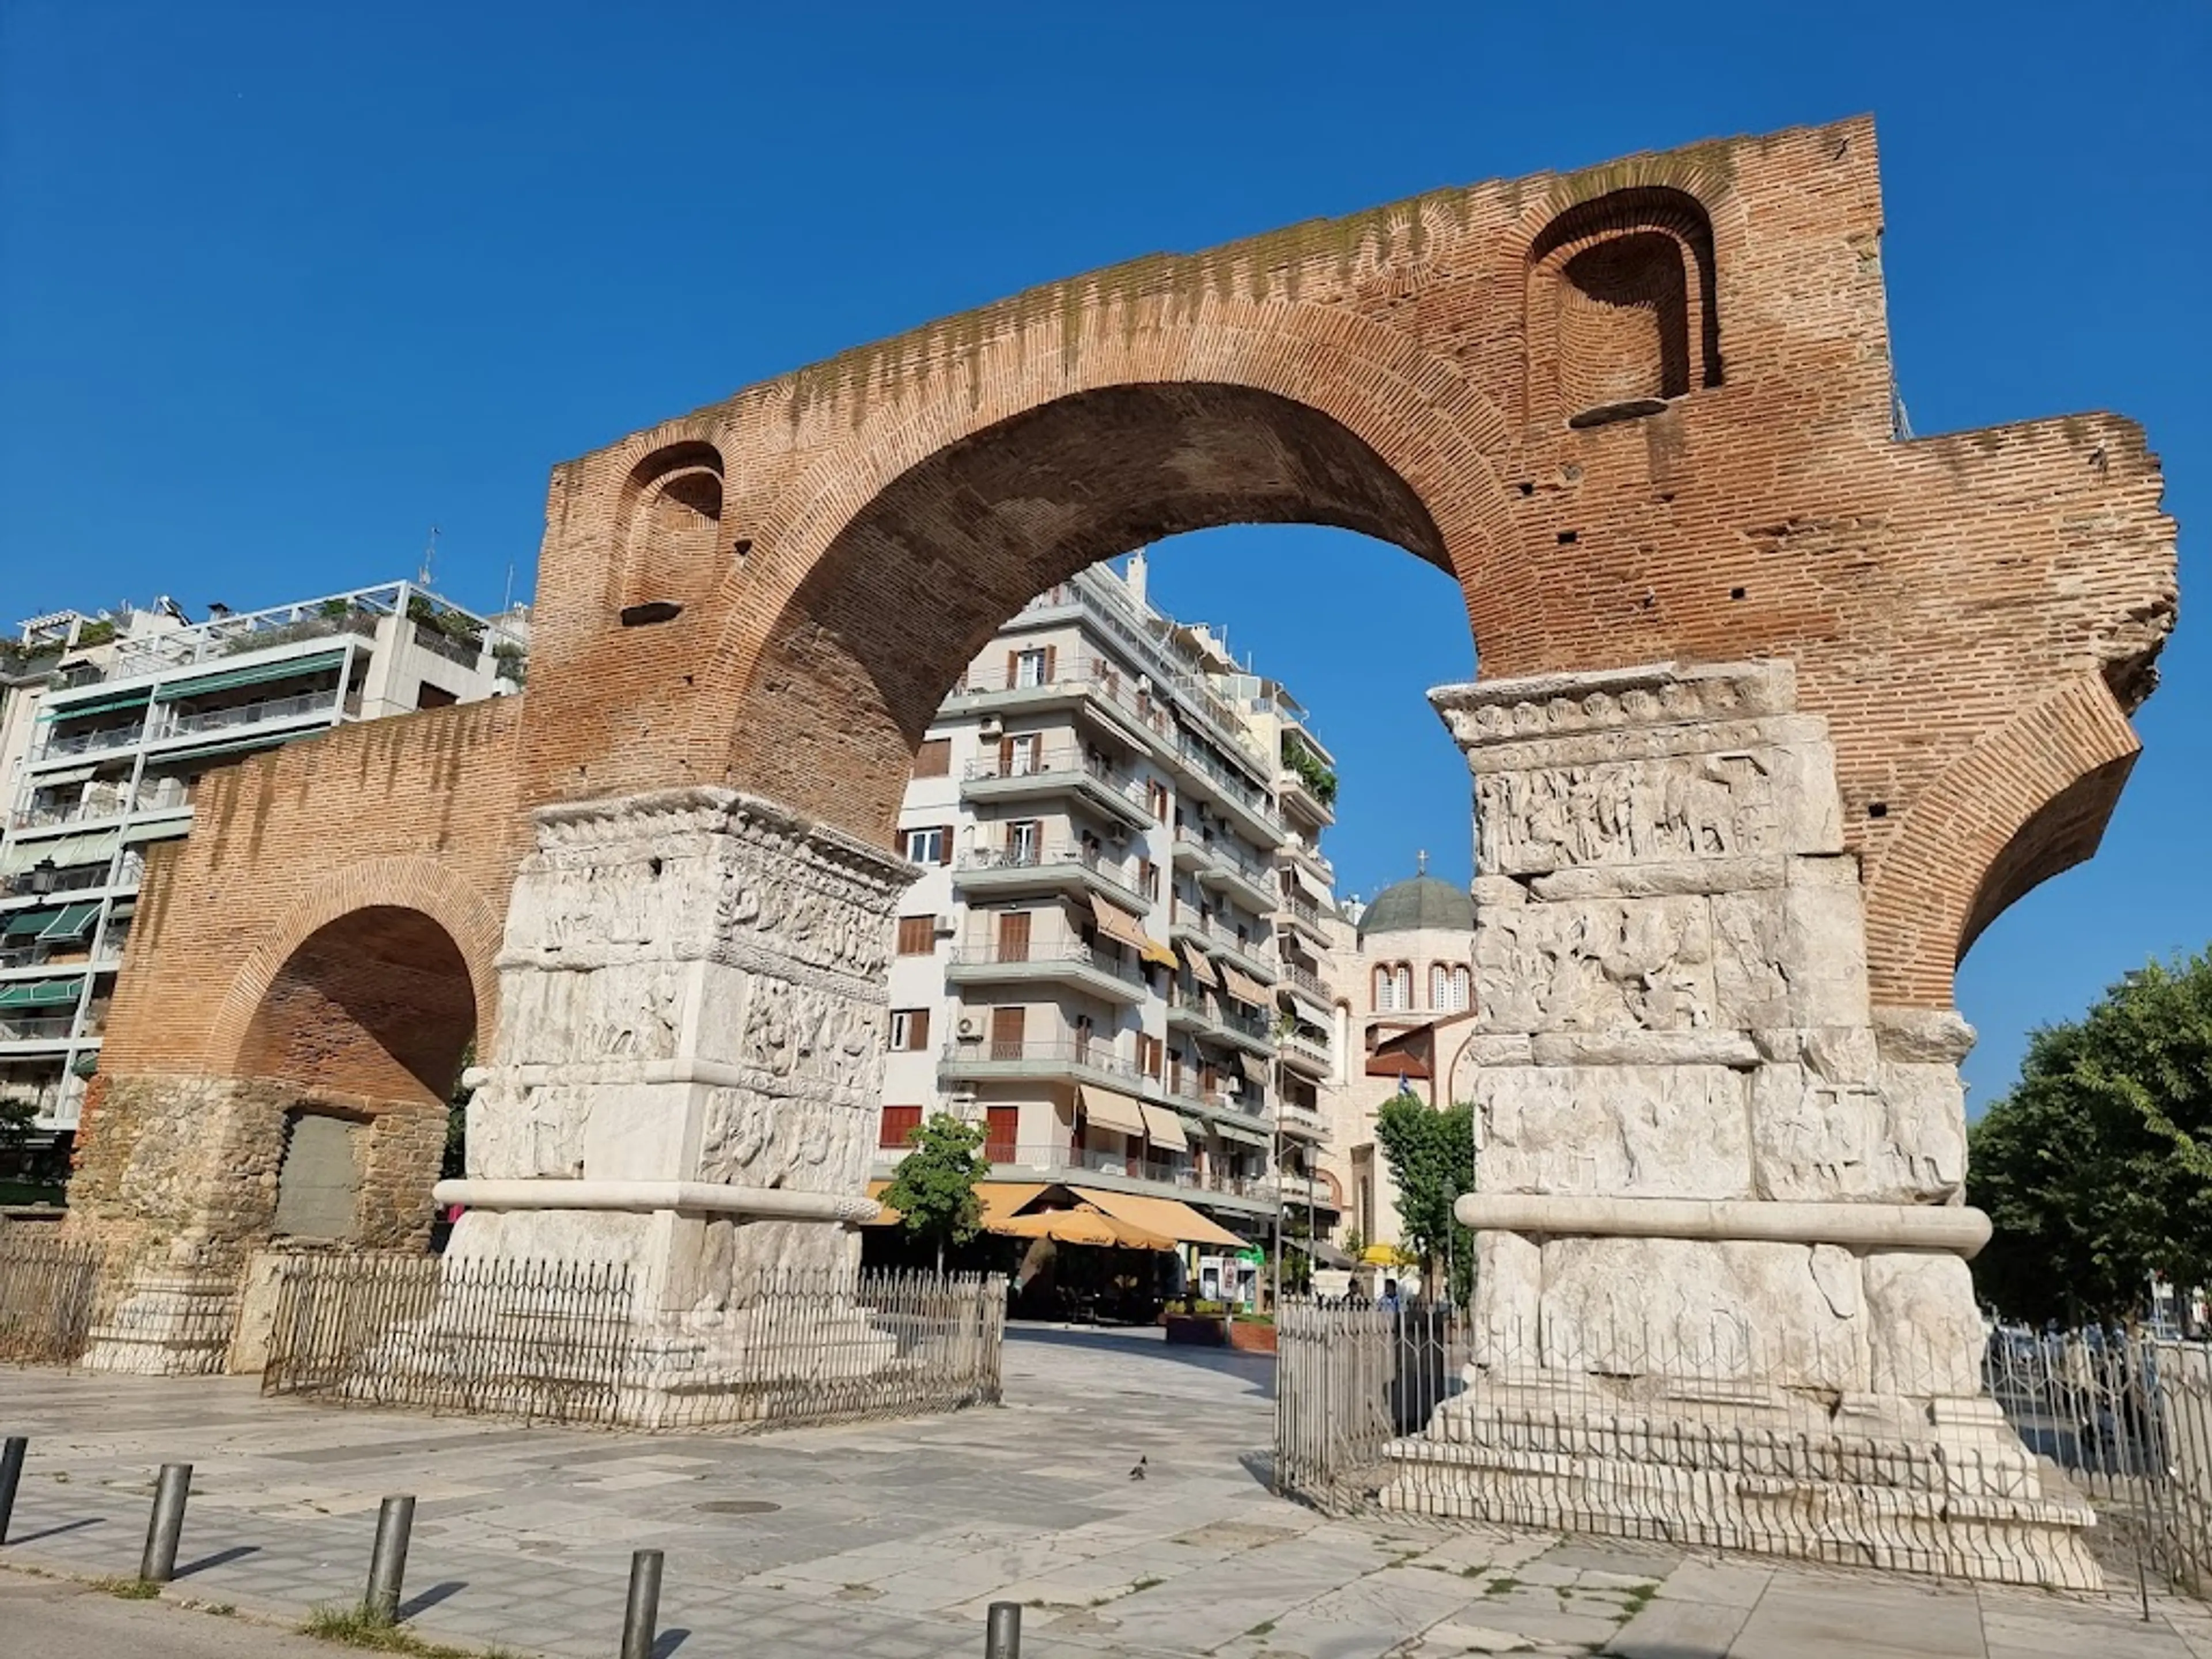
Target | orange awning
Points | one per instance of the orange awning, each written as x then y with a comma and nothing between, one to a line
996,1199
1202,966
1084,1225
1118,924
1244,987
1166,1217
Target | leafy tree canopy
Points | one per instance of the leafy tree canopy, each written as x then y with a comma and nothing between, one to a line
2096,1168
934,1191
1431,1153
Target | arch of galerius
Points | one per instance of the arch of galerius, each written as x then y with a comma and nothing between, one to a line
1778,708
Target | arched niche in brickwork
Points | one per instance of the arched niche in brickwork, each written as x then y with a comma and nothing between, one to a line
669,527
374,1005
1622,312
891,611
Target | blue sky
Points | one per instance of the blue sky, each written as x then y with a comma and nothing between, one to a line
283,286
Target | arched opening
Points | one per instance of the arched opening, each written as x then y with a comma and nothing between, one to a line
1622,313
888,619
353,1053
671,527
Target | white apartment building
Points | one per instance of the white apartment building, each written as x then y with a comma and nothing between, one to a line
104,722
1092,964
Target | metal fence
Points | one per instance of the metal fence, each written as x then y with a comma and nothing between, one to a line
49,1289
1674,1437
2129,1417
571,1342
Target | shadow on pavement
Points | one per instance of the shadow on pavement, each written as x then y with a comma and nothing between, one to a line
1257,1369
221,1557
423,1601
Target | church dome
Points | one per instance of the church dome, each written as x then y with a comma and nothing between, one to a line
1424,902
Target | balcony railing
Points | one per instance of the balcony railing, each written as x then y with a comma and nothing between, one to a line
1046,952
1096,1055
1051,764
1304,910
76,879
439,643
89,743
161,796
251,714
1306,980
1033,858
44,1029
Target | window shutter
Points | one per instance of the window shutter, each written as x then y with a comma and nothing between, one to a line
1013,669
944,844
1006,755
1051,657
917,1029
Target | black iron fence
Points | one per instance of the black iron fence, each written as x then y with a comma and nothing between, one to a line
586,1342
49,1290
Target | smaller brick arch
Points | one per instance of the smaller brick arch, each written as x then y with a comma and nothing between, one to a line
419,916
1622,307
2027,802
669,529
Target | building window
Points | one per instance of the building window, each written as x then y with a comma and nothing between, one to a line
898,1123
917,935
1150,1051
933,759
1148,878
1454,987
930,846
1157,795
1001,1126
1017,755
1023,838
1394,989
909,1029
433,696
1031,669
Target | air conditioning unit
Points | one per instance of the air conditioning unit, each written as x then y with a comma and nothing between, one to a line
970,1028
947,926
990,728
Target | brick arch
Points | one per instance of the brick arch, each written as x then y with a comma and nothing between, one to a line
935,518
411,884
2027,802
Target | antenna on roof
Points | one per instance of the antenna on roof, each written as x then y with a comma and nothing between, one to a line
429,552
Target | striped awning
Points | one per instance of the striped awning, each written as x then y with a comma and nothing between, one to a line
1104,1109
1244,987
1201,965
1164,1128
291,668
66,851
1118,924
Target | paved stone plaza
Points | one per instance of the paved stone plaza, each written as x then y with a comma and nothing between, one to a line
887,1542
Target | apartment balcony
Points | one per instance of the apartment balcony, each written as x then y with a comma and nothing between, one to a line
1047,962
1313,862
1296,1191
74,746
987,870
1044,1060
1192,854
1158,1176
79,879
1305,916
175,731
166,795
1055,774
31,1034
1308,1056
1301,1123
1309,988
1191,1011
1248,881
1232,792
1094,688
1299,798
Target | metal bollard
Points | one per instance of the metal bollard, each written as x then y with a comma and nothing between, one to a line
642,1614
1002,1637
11,1476
387,1561
158,1563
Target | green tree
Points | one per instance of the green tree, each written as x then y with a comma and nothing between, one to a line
16,1117
455,1163
1431,1153
2096,1168
934,1191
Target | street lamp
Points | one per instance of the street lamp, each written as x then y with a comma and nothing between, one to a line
41,882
